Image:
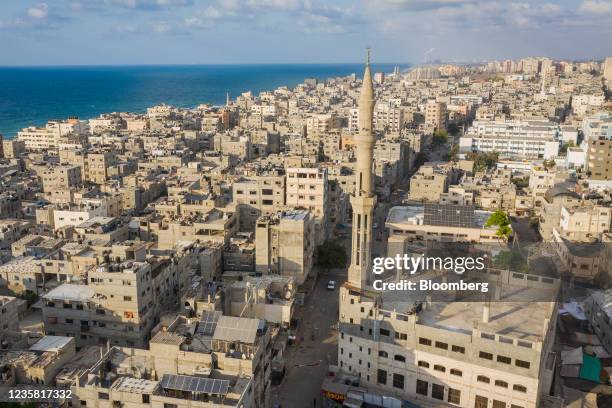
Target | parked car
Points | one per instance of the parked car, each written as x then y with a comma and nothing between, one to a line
331,285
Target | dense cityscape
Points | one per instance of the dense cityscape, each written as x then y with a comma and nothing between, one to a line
221,256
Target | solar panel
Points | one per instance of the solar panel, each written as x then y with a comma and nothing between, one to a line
195,384
208,323
230,328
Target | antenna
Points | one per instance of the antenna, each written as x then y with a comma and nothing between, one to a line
369,49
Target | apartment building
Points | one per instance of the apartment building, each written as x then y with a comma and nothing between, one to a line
550,215
515,139
320,123
9,314
308,188
139,378
62,177
256,196
584,221
607,69
598,308
599,158
461,352
49,137
438,223
215,226
388,117
428,183
13,148
120,303
435,115
285,244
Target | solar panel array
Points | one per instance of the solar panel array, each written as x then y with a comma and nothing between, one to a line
195,384
208,323
230,328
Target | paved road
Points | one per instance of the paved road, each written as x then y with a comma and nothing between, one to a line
307,362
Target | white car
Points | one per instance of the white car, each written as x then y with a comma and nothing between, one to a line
331,285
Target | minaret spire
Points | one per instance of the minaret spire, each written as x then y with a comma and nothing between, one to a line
364,200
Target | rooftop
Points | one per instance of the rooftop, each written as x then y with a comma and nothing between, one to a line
68,291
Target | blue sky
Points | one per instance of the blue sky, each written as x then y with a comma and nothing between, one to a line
68,32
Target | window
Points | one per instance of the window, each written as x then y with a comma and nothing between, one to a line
102,396
458,349
499,404
424,364
398,381
385,332
145,398
422,387
441,345
504,359
440,368
399,357
383,354
519,388
485,355
481,402
483,379
437,391
382,377
515,406
127,298
401,336
522,364
500,383
454,396
424,341
456,372
166,405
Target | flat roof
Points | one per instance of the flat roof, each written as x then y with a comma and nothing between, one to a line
403,213
51,343
242,329
511,315
69,291
135,385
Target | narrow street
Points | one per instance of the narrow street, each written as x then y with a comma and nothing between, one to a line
307,361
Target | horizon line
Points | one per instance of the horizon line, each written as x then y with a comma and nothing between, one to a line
198,64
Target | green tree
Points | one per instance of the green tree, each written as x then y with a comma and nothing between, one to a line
439,137
483,161
510,260
331,254
521,182
501,220
29,296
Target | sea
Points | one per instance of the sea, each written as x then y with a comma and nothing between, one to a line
30,96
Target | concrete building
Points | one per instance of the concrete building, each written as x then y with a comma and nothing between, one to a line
49,137
607,70
438,223
120,304
308,188
598,308
435,115
59,178
525,139
429,183
598,162
285,244
256,196
13,148
462,352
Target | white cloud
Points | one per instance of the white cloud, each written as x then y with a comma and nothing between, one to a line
41,11
596,7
